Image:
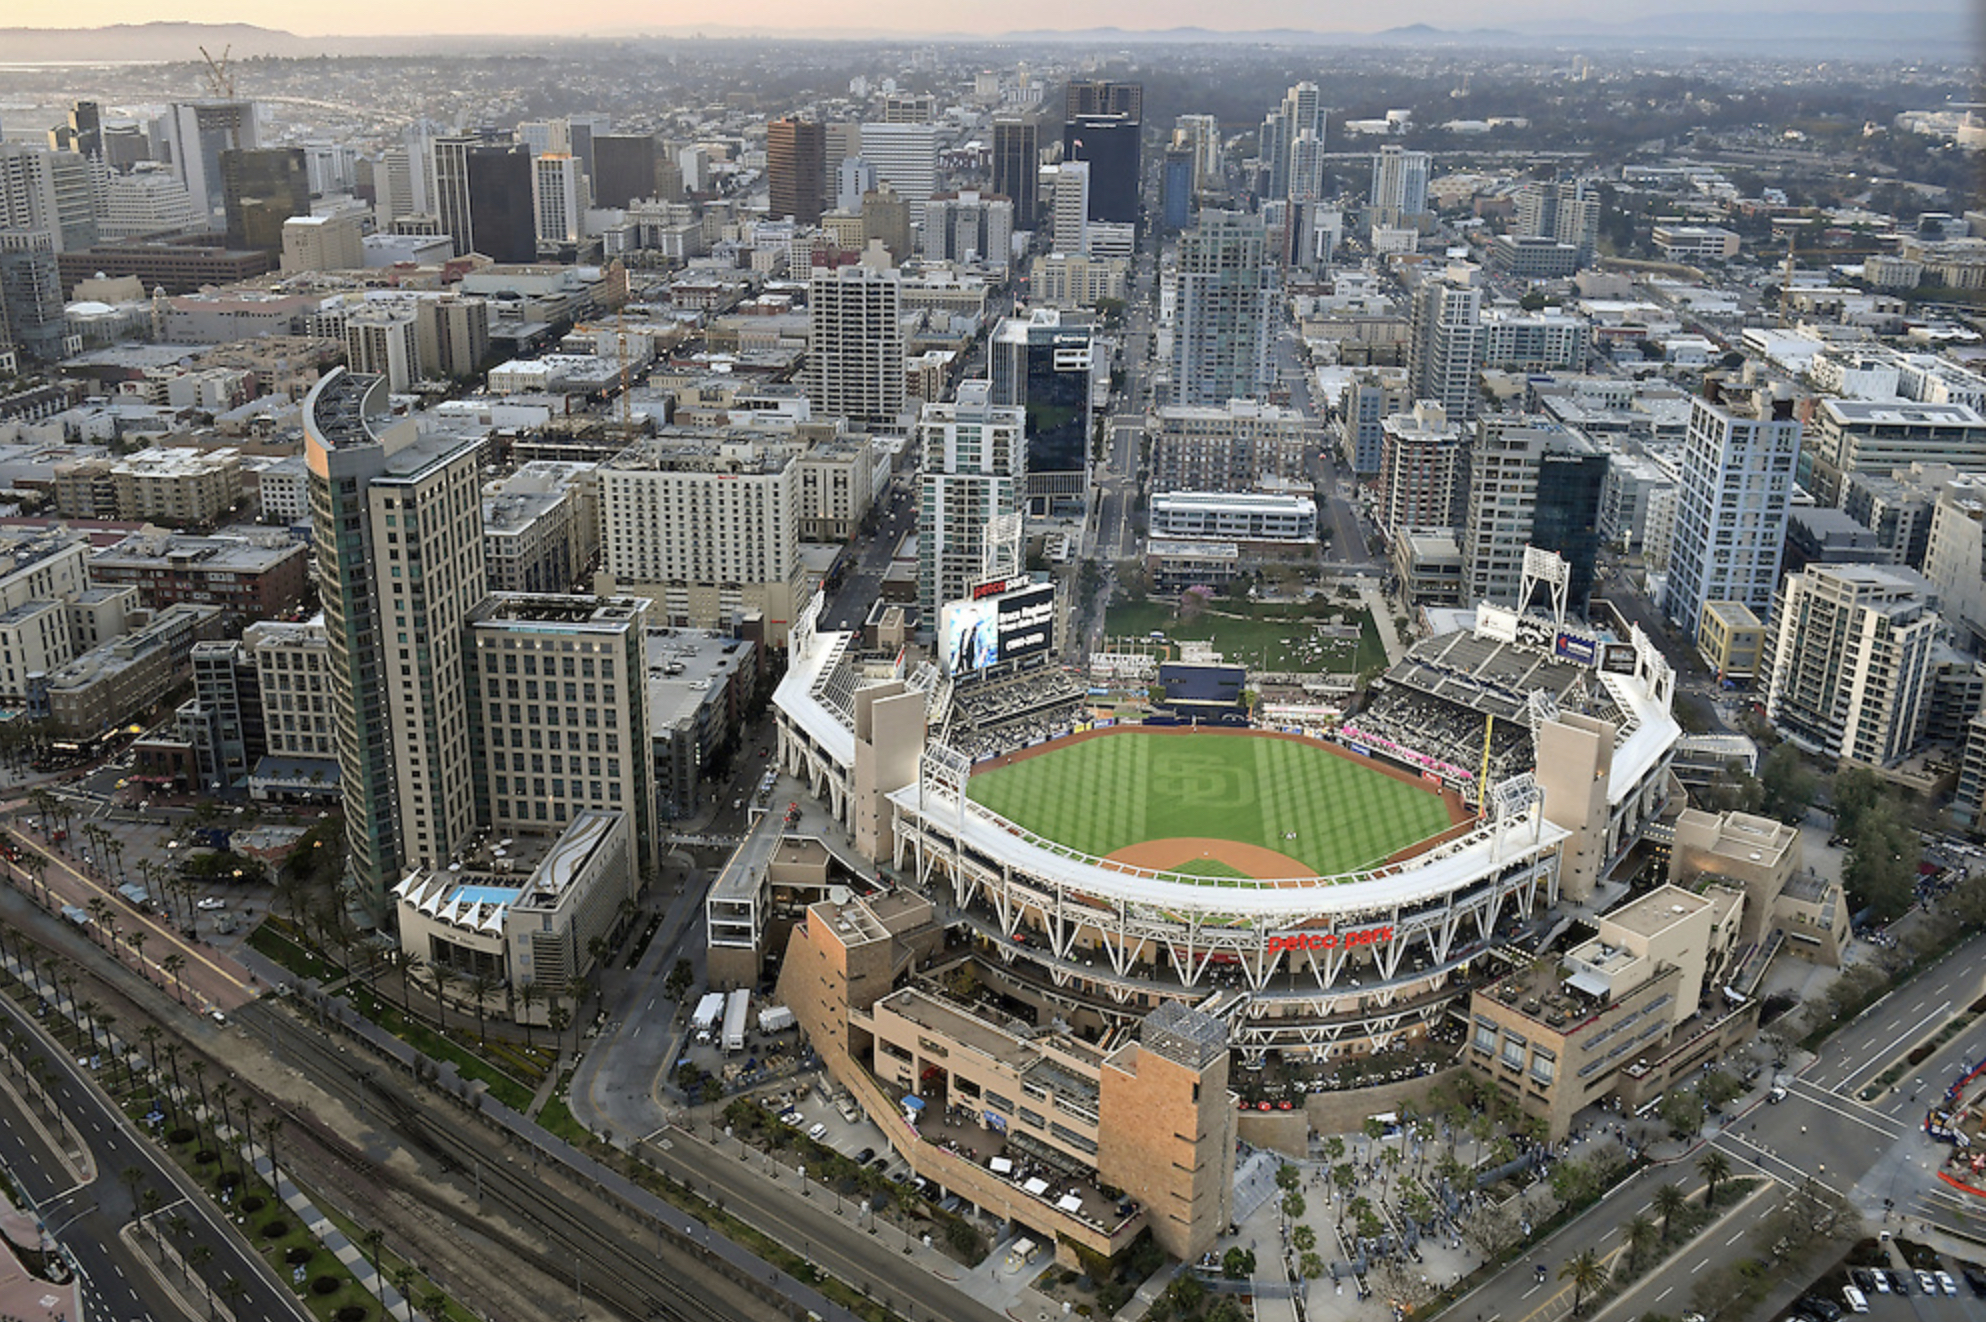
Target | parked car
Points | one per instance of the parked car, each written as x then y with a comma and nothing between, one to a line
210,904
792,1118
1976,1279
862,1157
1857,1301
818,1132
1824,1309
1945,1282
1926,1282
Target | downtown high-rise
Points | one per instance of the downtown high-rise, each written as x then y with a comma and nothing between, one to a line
399,540
1220,343
1737,484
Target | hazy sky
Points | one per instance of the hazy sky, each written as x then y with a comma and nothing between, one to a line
366,17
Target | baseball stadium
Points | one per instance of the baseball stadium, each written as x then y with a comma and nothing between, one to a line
1341,888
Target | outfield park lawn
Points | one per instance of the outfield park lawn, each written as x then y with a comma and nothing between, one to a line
1278,636
1102,794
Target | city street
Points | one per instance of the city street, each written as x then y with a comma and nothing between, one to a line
90,1215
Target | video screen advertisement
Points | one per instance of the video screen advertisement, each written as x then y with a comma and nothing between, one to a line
976,634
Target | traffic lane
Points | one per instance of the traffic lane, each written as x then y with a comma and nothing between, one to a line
1666,1288
116,1148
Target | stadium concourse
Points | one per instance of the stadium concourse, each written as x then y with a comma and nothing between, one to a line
1582,738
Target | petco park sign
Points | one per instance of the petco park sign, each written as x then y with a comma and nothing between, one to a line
1357,936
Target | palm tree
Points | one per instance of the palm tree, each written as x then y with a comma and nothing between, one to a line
248,1128
531,993
178,1093
198,1069
1669,1200
132,1177
558,1017
1640,1238
433,1303
179,1227
1715,1168
403,1281
372,1239
232,1290
199,1256
137,943
174,964
272,1129
99,909
480,986
1587,1273
86,1020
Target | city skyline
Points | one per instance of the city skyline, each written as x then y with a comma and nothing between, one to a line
887,17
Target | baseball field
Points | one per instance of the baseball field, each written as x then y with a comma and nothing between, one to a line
1215,804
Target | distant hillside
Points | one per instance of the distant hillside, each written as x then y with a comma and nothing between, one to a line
148,43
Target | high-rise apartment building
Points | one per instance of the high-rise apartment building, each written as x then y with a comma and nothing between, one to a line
1176,189
146,202
197,132
1102,96
1737,482
1200,135
1846,661
559,695
1531,483
906,158
261,188
323,243
1043,367
1565,210
796,168
855,347
1423,475
398,518
383,339
1300,117
31,317
1372,395
969,226
1223,288
1399,186
558,198
27,190
969,509
1445,341
1017,167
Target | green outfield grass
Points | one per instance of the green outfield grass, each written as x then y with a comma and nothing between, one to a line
1100,795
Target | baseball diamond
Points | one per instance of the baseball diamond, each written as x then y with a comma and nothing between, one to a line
1285,806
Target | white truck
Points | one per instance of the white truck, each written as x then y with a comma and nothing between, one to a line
774,1018
734,1020
707,1011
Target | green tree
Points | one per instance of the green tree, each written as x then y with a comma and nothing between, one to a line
1715,1168
1293,1205
1880,872
1669,1201
1238,1263
1789,787
1303,1239
1586,1273
1855,791
1641,1237
1288,1177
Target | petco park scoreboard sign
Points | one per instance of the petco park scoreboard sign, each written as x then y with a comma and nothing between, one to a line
1346,940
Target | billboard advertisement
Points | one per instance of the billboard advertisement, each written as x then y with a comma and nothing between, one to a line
1575,647
969,636
975,634
1618,659
1026,622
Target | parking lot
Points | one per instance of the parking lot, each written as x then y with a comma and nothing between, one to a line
1896,1282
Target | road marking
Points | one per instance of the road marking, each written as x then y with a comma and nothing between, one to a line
1699,1267
1665,1294
1734,1239
1882,1053
1533,1290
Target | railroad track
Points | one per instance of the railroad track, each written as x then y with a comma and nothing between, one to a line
586,1239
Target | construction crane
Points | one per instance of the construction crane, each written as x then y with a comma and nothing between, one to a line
218,76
